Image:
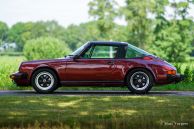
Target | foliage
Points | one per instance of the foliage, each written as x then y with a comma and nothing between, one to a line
175,36
45,48
8,65
75,35
3,31
104,12
21,32
148,26
187,70
188,74
139,25
172,44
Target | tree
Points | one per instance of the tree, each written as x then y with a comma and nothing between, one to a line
21,32
15,34
3,31
139,25
169,44
104,12
173,38
76,35
45,48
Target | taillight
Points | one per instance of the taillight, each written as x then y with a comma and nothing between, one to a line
173,72
147,58
169,70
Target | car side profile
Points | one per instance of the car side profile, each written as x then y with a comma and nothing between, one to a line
98,63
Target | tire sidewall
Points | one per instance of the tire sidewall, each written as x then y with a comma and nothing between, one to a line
144,91
50,90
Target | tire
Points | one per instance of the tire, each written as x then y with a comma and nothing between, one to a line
44,81
140,81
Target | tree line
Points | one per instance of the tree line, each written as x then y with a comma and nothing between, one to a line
148,26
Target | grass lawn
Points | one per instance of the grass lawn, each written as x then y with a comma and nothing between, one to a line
182,86
100,112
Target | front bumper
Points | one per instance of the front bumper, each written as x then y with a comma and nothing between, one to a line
21,79
175,78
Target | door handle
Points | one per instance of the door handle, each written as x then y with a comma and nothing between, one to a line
110,62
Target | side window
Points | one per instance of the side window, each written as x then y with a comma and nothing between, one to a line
104,51
88,53
131,53
101,51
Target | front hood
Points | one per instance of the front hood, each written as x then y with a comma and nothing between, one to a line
45,61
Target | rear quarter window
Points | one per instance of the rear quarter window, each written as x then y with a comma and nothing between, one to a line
131,53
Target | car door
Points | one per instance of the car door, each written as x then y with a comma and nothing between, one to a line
97,64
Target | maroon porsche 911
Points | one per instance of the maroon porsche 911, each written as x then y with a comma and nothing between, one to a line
98,64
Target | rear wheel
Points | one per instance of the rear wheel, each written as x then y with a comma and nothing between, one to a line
44,81
139,81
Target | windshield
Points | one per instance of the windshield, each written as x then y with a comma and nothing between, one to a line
79,50
133,52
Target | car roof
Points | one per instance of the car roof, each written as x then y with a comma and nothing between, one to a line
108,42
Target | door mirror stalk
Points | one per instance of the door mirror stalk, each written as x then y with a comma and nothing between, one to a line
75,57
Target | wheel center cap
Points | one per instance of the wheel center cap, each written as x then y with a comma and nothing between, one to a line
44,80
139,80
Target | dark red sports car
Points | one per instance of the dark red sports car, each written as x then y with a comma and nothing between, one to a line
98,64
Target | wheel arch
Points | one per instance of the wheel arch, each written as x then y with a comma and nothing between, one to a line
125,78
46,67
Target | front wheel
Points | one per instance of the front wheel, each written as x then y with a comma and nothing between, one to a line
44,81
139,81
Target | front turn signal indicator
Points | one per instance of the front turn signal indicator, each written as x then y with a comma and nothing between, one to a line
172,72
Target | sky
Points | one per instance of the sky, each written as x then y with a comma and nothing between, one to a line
65,12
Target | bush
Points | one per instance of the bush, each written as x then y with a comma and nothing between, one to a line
186,69
178,67
188,74
8,65
45,48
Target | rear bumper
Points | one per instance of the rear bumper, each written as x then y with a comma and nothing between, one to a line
175,78
21,79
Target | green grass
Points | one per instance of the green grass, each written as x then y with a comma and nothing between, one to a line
96,112
11,53
182,86
10,64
